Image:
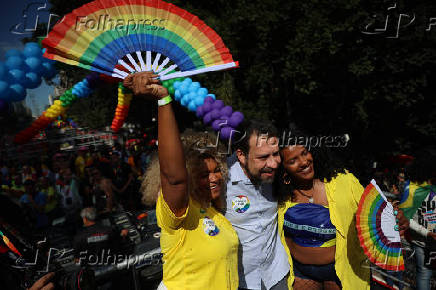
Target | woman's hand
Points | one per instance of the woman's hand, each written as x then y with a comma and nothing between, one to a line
145,84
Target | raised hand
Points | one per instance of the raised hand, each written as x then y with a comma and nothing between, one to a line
145,84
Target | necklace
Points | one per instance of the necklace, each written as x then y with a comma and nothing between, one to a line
309,197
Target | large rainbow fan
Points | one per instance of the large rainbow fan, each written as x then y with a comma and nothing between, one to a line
376,228
140,35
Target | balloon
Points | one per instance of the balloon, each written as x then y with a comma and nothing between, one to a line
184,88
171,90
185,100
18,92
33,80
207,107
49,70
177,84
236,119
192,96
219,123
218,104
209,99
32,49
193,87
34,64
5,93
207,119
199,111
226,111
192,107
215,114
187,81
177,95
202,92
198,101
212,96
14,62
12,52
226,133
3,71
17,76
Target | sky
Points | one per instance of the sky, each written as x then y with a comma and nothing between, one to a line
13,14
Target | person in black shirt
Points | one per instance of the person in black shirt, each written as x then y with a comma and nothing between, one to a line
123,180
95,241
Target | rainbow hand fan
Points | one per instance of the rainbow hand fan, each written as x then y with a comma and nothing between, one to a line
104,33
375,222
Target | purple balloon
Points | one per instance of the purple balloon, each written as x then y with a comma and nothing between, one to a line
236,119
209,100
217,124
207,119
226,133
93,79
218,104
226,111
215,114
207,107
200,111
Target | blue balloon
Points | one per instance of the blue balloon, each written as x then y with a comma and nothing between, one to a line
17,76
184,88
192,96
193,87
34,64
12,52
18,93
32,49
14,62
49,70
33,80
187,81
184,101
5,93
3,71
177,84
199,101
177,95
192,107
202,92
212,96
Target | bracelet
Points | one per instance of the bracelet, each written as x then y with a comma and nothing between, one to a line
164,101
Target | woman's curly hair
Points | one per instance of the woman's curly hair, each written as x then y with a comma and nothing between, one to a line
327,165
197,146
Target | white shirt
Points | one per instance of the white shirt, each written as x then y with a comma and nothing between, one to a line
252,210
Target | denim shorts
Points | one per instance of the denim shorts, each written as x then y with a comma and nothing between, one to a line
319,273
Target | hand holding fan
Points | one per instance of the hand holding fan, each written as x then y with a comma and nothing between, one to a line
377,229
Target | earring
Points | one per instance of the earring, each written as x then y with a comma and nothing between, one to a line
286,181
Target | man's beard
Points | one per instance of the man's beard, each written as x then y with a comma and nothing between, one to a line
258,179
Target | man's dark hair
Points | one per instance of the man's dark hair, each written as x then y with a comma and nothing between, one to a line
250,127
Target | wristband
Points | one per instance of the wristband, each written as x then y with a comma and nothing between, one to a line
164,101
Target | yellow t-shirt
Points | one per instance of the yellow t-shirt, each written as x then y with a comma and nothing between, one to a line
343,195
200,248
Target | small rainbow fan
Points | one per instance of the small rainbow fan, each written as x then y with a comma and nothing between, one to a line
376,228
104,33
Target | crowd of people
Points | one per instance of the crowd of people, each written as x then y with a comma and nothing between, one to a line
68,182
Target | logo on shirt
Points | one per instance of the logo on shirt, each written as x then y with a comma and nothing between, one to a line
209,227
240,203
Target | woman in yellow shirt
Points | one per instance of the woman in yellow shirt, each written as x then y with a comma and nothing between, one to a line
319,200
199,245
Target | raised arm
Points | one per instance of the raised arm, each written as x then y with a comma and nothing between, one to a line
174,176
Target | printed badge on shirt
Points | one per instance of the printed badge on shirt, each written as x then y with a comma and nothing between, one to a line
209,227
240,203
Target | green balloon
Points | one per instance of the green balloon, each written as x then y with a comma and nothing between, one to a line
171,90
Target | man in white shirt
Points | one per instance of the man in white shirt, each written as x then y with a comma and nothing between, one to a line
252,210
